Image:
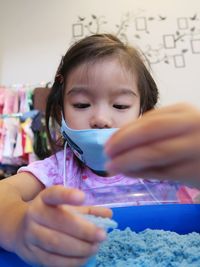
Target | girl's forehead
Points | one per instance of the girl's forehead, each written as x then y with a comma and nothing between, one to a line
101,78
104,70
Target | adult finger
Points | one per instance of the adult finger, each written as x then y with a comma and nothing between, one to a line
157,154
175,108
152,129
184,172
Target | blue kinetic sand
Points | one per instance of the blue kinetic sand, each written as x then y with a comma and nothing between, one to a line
104,223
179,218
149,248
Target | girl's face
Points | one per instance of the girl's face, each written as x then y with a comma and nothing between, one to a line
101,95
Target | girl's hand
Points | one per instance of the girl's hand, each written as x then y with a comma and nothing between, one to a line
53,234
162,144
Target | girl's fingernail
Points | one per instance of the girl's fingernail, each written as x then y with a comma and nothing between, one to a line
95,248
101,235
77,196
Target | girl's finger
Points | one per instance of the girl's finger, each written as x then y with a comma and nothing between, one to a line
58,243
67,221
57,195
46,259
97,211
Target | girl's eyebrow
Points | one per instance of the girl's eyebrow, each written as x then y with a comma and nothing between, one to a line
86,91
125,91
79,90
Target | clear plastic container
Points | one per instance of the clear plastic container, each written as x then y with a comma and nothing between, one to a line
143,193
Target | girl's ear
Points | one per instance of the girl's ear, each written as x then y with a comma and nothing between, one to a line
59,115
59,78
141,112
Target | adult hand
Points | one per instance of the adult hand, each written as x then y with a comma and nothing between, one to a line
53,234
163,144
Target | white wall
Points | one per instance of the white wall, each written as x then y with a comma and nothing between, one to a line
35,33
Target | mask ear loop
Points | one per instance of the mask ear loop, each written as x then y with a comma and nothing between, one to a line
149,191
64,166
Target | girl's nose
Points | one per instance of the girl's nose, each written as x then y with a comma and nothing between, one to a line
100,121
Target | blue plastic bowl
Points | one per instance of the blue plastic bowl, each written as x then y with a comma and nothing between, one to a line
180,218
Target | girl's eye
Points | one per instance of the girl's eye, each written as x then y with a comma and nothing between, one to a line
121,106
81,105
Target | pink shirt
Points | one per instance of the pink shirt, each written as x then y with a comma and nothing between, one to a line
102,190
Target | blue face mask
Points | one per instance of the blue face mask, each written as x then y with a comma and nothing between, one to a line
88,145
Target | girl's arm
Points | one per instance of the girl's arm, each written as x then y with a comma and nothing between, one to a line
15,191
42,225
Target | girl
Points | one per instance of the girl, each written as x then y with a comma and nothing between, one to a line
101,84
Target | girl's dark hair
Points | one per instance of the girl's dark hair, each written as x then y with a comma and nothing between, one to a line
91,49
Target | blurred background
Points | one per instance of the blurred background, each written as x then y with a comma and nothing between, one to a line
35,34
